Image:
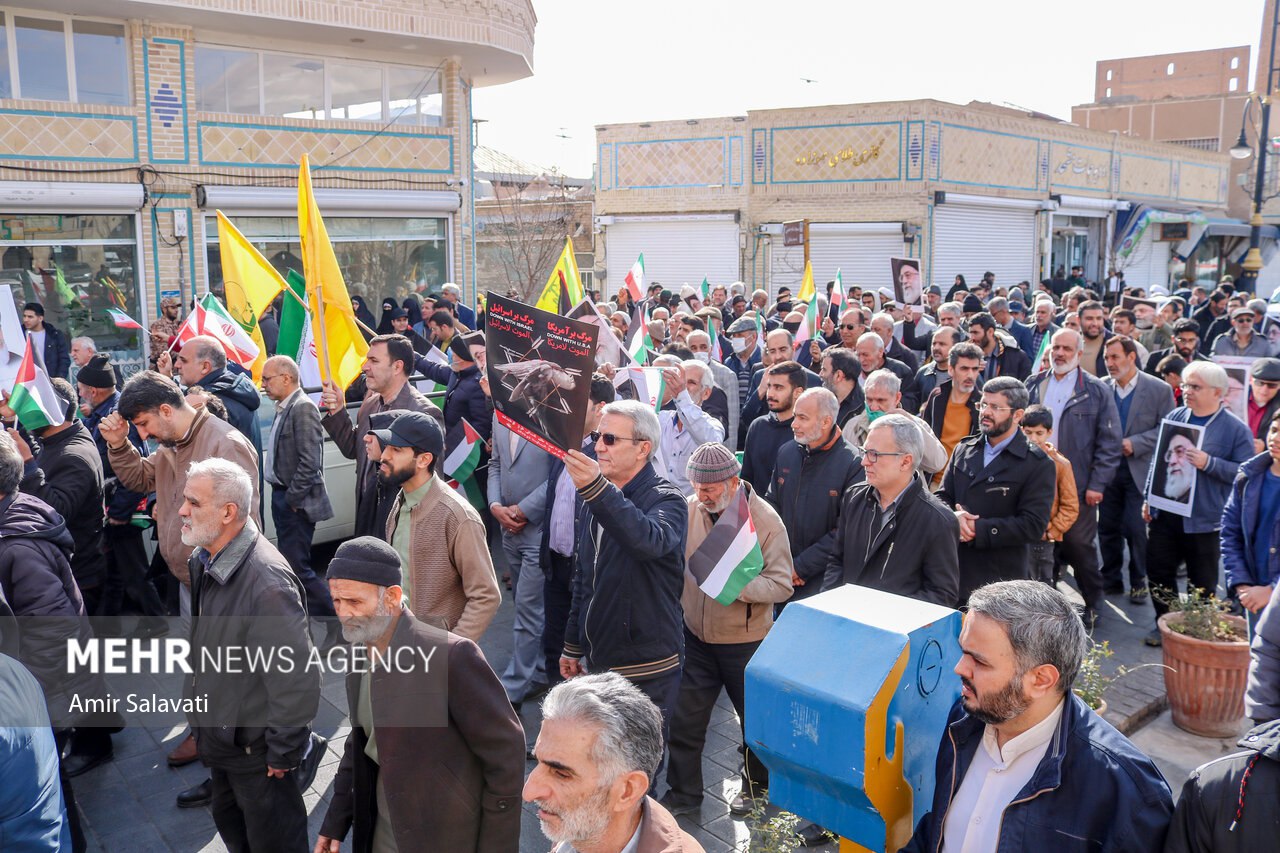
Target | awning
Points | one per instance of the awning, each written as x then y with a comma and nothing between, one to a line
1219,226
1132,224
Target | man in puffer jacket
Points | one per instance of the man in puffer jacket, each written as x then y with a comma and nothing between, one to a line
202,363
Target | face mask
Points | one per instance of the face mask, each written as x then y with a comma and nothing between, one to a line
704,357
872,414
739,345
791,327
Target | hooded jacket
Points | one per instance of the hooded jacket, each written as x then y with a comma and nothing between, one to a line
1229,803
1092,790
37,585
1240,521
242,401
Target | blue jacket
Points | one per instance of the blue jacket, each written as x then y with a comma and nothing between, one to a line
1240,520
241,399
463,396
1228,443
1093,790
32,814
626,613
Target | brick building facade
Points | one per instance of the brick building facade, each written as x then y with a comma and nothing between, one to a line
966,189
119,137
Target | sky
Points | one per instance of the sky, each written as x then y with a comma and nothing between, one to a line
599,62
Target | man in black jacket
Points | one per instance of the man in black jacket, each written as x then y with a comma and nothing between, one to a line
48,342
1000,359
810,478
871,355
938,369
626,613
1001,488
1186,343
783,383
840,371
252,729
67,475
202,363
893,535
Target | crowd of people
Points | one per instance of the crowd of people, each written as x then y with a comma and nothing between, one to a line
985,451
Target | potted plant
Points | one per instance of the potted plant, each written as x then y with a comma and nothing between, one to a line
1206,656
1091,682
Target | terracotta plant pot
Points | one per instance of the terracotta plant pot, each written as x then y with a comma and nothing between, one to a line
1205,680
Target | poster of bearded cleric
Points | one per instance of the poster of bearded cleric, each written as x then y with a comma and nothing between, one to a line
1171,480
907,286
539,371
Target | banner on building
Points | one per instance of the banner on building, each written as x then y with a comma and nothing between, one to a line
539,371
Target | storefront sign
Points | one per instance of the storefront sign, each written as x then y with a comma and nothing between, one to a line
1093,171
848,154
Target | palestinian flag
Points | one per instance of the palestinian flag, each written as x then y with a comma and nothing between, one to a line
809,328
32,398
470,491
463,447
730,556
638,339
635,279
122,320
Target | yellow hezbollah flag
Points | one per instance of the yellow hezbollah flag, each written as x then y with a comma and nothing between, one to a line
250,282
564,287
806,285
340,348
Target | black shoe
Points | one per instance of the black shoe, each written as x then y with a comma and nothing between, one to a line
1114,588
196,796
1154,638
306,772
536,690
677,808
76,764
813,835
742,805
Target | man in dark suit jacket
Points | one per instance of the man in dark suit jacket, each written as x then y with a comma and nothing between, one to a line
1001,488
434,731
1142,401
296,473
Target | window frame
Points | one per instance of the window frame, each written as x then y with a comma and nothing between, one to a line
383,68
68,47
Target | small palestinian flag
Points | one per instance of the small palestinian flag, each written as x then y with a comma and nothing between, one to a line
730,556
470,491
463,447
32,398
122,320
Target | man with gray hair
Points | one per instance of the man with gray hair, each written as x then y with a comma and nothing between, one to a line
598,753
450,292
882,325
685,426
870,352
626,613
893,534
883,397
252,728
202,363
726,380
1018,728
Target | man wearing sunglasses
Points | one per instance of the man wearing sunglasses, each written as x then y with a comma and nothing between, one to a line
626,613
1242,340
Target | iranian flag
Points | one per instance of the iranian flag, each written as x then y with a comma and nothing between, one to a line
635,279
837,293
730,556
650,384
122,320
32,398
463,448
218,323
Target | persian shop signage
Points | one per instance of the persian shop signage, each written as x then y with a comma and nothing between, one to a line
847,154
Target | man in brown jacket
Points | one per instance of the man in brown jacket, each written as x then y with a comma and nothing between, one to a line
597,754
1037,424
153,404
386,374
448,573
435,757
720,639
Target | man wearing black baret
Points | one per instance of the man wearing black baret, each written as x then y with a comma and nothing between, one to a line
431,733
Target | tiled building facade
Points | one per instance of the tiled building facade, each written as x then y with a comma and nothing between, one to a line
120,136
966,189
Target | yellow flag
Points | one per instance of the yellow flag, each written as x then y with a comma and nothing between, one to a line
250,282
806,285
340,348
564,287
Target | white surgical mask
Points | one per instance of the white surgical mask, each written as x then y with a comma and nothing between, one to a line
739,345
704,357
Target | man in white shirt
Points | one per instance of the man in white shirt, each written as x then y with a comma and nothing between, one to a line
685,426
1024,763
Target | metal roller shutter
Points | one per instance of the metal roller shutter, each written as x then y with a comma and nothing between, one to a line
675,251
970,240
1148,265
860,250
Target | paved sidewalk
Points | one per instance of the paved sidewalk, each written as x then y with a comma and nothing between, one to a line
129,803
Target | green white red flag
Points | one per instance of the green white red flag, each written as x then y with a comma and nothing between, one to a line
122,320
32,398
730,556
635,279
463,449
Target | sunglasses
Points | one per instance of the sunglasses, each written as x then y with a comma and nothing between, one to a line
608,439
849,327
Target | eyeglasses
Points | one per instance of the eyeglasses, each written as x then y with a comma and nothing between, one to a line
608,439
873,456
988,407
266,378
1192,386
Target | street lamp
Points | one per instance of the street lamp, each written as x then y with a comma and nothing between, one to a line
1240,151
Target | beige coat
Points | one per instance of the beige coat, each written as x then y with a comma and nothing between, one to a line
749,618
451,576
165,473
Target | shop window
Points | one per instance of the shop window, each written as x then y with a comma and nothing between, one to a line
1208,261
379,256
250,82
76,267
63,60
